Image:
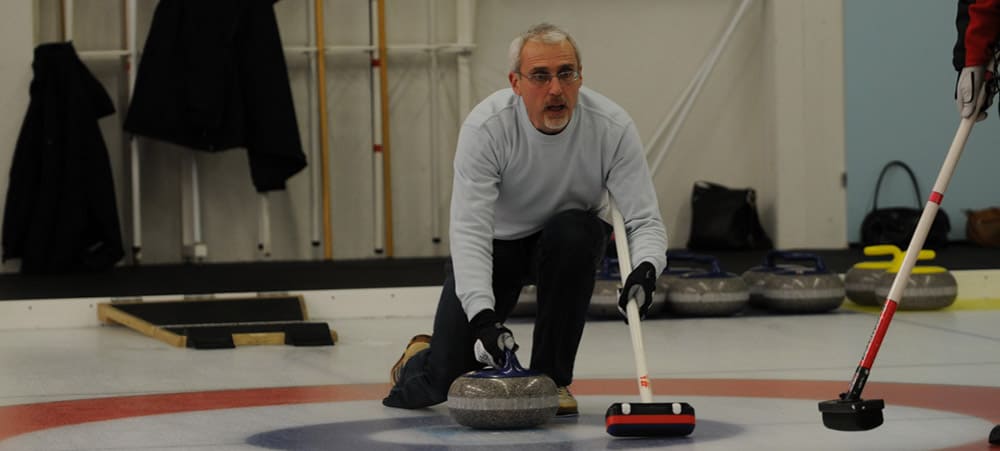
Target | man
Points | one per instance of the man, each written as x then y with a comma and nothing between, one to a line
975,57
531,170
978,24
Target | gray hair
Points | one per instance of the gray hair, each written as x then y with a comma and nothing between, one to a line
545,33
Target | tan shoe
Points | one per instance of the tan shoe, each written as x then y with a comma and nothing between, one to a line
567,403
417,343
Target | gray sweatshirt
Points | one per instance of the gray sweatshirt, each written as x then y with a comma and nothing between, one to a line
511,178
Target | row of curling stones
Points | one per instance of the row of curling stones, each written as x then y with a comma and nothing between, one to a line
690,285
604,301
702,289
928,287
507,398
708,291
806,287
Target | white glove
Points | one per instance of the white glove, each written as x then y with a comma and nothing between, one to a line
967,98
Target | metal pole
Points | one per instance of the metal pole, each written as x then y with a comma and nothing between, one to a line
378,234
132,67
66,8
433,104
315,189
192,248
384,97
465,18
263,226
324,142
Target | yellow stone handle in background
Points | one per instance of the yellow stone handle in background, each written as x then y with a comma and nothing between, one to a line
897,257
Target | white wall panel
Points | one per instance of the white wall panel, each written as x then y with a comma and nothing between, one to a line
769,116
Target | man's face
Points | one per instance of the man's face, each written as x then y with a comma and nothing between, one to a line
550,104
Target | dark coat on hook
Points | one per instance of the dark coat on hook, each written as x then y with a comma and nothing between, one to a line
60,214
212,77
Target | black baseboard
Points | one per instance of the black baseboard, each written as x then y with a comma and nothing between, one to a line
206,278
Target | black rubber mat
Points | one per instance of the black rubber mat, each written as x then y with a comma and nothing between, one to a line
216,323
182,314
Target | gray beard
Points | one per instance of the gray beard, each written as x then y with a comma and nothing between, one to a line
556,124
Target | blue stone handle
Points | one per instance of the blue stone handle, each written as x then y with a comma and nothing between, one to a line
512,368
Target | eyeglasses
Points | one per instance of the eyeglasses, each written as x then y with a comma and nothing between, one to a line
543,78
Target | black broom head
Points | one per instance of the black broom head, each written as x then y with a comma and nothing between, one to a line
848,415
667,419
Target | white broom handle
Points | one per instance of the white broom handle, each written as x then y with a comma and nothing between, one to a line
631,309
930,211
913,249
931,208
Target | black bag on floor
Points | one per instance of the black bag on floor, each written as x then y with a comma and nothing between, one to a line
725,219
896,225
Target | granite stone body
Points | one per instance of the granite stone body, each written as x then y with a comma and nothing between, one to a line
859,285
755,278
510,398
802,291
604,302
924,291
707,294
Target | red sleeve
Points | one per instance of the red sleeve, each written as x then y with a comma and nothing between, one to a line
981,35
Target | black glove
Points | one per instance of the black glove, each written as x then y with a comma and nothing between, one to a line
639,285
492,339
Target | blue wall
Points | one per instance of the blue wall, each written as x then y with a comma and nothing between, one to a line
900,106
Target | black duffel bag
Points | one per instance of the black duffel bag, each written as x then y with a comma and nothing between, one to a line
896,225
725,219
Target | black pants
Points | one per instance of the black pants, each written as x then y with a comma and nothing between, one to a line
561,261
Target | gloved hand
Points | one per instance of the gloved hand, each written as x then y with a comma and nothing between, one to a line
639,285
967,98
492,339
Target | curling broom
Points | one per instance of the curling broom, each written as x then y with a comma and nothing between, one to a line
850,412
645,418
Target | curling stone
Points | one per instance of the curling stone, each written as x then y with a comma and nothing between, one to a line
928,288
527,302
861,279
803,290
675,269
508,398
707,293
757,275
604,302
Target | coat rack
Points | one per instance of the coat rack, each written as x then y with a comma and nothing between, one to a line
194,247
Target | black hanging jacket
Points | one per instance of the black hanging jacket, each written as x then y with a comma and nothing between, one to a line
60,214
212,77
